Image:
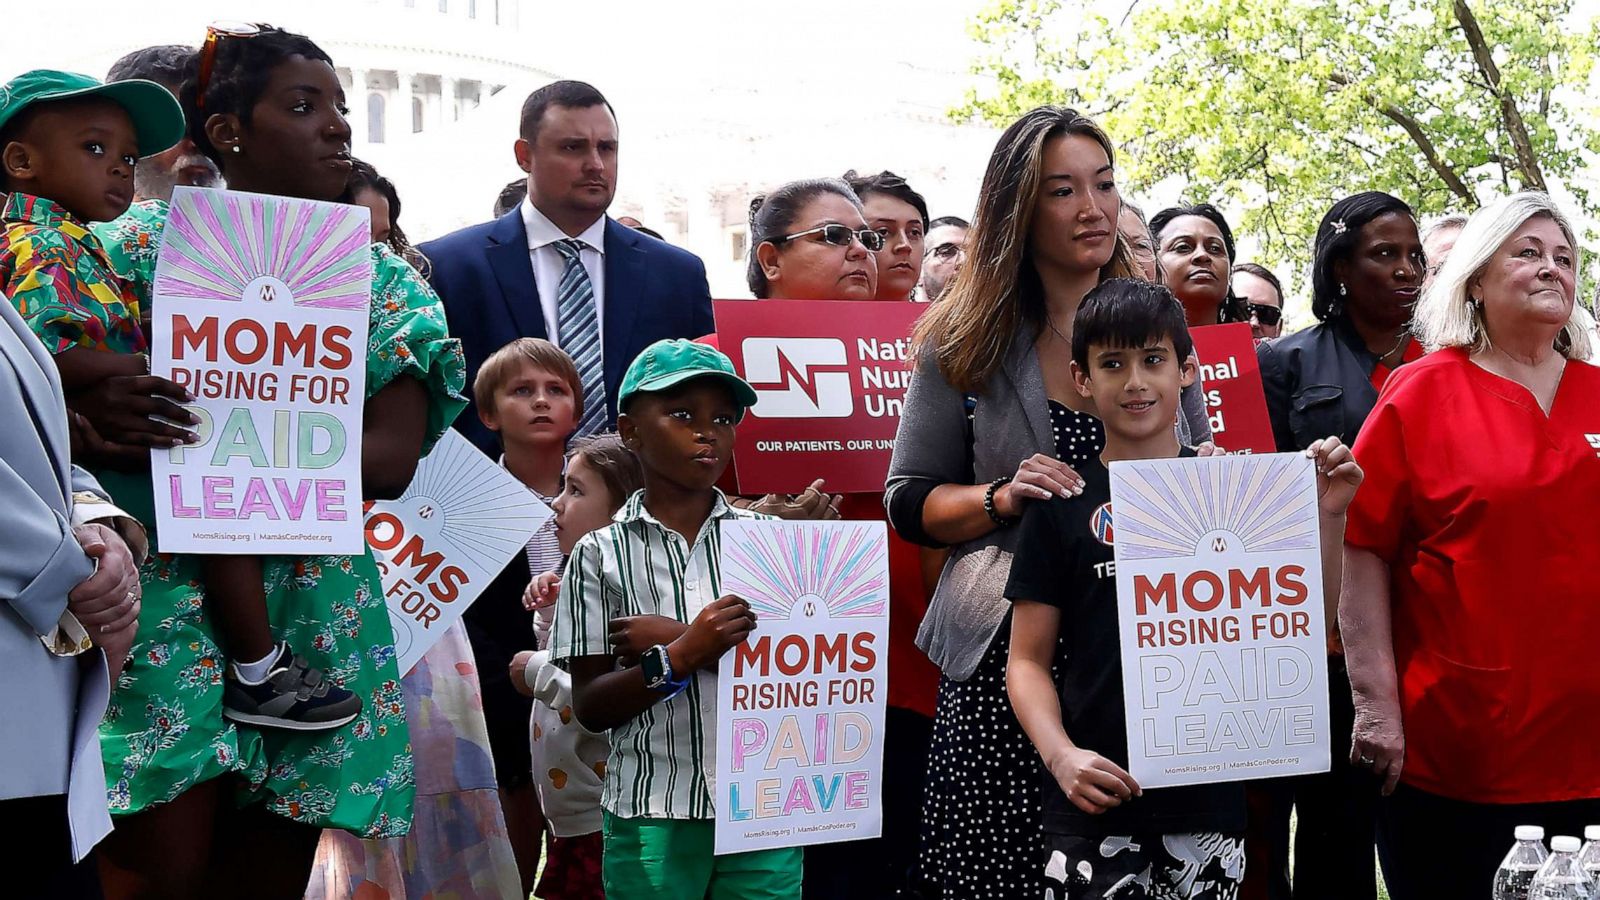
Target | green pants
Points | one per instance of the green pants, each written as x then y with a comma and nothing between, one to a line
671,859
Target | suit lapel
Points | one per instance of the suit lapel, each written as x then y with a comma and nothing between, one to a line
624,288
1027,380
41,391
507,253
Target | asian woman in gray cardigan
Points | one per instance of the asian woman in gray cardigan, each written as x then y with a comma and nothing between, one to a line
991,422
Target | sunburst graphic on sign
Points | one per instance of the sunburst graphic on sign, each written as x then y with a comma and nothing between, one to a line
784,569
1168,509
482,518
236,245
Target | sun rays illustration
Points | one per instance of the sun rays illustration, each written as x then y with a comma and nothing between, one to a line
217,243
1168,509
777,566
484,518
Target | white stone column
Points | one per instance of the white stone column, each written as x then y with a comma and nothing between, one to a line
483,93
400,111
356,99
448,89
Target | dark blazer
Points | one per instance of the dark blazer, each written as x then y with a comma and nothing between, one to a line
653,291
1318,382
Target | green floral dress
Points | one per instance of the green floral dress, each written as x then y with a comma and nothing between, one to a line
164,732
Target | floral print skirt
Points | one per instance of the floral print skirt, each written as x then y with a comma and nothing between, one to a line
164,731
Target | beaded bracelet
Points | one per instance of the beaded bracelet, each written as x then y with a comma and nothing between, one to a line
988,501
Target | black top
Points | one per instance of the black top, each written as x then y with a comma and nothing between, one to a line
1061,561
1318,381
1079,436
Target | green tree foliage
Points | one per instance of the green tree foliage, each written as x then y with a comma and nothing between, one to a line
1283,106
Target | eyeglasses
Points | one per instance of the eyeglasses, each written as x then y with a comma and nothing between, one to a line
945,252
1266,315
215,32
838,235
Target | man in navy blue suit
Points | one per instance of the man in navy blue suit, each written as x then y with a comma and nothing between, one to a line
557,267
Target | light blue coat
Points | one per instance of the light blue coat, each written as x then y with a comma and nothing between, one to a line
50,706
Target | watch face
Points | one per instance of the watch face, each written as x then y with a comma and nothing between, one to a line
653,666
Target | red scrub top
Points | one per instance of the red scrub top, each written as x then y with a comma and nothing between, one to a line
1484,508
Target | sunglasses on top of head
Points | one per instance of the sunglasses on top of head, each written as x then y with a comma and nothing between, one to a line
838,235
1266,315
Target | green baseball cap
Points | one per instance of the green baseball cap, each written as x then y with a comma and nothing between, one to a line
668,363
157,117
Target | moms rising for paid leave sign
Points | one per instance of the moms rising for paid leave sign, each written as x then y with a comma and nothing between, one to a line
1219,605
830,379
801,703
260,311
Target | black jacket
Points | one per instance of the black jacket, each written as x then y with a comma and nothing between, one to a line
1318,382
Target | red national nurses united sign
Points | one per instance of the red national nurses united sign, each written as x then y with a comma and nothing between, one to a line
830,379
1235,402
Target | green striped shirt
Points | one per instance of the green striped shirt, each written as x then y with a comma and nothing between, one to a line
662,761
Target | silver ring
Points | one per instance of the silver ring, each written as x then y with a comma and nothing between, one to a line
1367,760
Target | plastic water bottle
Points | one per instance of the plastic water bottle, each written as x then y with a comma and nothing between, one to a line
1589,856
1561,878
1516,872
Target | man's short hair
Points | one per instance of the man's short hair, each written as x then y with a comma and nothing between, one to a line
571,94
501,364
1129,313
168,65
952,221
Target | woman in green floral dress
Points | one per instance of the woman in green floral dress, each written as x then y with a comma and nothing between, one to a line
205,807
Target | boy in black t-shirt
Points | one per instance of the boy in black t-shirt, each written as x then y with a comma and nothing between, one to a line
1105,837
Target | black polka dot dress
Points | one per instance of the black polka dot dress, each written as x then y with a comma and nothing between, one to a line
981,836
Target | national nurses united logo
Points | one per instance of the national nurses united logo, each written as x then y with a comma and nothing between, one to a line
1100,524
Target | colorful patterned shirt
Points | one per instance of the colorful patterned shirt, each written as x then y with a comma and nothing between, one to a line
58,276
662,763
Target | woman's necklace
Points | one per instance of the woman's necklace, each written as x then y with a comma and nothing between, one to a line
1405,334
1050,320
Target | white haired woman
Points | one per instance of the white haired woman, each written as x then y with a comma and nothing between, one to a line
1470,602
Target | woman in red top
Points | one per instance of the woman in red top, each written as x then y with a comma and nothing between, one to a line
810,240
1470,601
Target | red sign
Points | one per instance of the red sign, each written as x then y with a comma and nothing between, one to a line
830,378
1234,399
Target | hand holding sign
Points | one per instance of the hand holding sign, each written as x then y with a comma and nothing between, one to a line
1338,475
723,624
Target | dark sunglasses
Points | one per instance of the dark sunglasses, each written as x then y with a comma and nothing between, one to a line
839,236
945,251
1266,315
208,53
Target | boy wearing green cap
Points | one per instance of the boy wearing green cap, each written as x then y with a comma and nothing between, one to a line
68,144
679,402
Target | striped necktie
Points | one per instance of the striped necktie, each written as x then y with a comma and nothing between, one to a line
579,329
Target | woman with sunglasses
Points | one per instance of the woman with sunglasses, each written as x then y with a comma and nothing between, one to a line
881,867
1325,380
204,807
1263,298
992,422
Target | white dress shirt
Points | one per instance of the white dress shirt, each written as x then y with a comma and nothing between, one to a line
548,264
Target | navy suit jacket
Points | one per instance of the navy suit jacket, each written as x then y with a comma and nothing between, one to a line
653,291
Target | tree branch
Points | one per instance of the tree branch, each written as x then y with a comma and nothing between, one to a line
1527,162
1418,136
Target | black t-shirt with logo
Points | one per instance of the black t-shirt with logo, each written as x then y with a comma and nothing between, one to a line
1064,558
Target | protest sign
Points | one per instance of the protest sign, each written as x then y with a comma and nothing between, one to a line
830,379
260,311
800,704
452,532
1219,596
1235,402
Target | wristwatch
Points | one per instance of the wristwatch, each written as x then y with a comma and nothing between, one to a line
658,674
